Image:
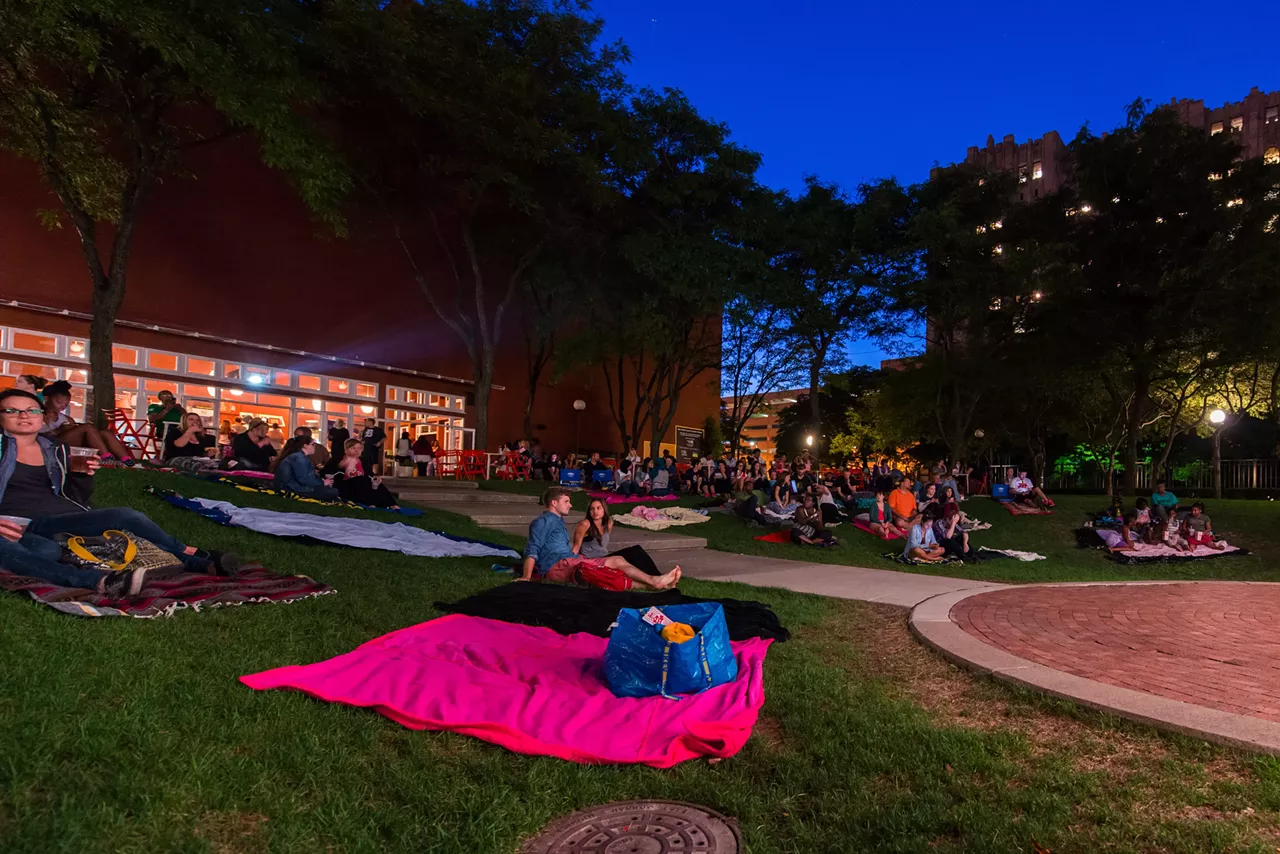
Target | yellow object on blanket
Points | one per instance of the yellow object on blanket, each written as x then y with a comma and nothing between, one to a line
678,632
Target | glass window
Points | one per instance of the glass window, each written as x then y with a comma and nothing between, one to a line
203,367
189,391
337,386
284,378
126,382
274,400
242,397
309,382
32,342
366,390
1037,170
76,376
158,361
17,368
78,348
366,410
1216,127
393,393
257,376
1237,124
338,410
231,371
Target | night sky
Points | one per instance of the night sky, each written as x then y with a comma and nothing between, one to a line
855,91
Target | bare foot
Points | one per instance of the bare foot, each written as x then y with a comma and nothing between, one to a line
671,579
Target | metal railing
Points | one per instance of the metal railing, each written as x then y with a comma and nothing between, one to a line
1261,474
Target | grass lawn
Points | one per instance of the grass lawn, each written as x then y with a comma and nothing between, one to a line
134,736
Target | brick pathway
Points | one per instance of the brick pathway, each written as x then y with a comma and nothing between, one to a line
1214,644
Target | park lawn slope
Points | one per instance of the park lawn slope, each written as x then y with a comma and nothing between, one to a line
135,736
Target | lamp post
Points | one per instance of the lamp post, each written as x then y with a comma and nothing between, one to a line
578,406
1219,419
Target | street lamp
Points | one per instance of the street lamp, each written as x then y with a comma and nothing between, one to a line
808,440
578,406
1217,416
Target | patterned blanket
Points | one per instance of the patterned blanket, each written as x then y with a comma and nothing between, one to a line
168,593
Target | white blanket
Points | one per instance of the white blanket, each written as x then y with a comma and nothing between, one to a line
358,533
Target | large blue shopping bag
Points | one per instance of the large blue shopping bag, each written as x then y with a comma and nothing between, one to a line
639,662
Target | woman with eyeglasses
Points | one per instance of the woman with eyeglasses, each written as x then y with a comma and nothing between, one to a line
45,491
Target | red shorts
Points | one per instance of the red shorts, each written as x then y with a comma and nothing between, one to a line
1204,538
593,573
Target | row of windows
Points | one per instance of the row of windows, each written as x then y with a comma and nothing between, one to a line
71,348
1270,117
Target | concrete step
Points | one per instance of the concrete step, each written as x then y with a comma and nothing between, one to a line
451,498
396,484
653,541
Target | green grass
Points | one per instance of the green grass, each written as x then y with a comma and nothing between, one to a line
135,736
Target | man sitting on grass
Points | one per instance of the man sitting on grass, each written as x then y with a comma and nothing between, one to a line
549,554
1024,490
902,501
40,498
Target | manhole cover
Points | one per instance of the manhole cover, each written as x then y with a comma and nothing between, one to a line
638,827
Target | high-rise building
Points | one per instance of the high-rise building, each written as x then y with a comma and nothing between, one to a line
760,431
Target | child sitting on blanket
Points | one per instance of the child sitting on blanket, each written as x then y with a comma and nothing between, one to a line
1197,530
808,529
1123,540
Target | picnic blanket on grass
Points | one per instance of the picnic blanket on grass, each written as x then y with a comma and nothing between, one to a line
568,610
775,537
252,481
339,530
864,526
615,498
653,519
1017,508
530,690
1087,538
166,594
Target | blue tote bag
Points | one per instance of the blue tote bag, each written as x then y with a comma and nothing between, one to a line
639,662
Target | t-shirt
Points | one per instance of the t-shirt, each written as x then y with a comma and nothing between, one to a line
1168,500
338,437
174,414
371,436
1021,485
918,537
194,448
244,448
902,503
30,494
1198,524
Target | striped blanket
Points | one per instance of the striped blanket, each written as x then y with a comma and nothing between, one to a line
164,595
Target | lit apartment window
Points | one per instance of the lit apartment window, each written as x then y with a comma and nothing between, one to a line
1216,127
1273,115
1037,171
1237,124
1271,157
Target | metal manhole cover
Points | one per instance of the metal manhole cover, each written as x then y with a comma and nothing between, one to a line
638,827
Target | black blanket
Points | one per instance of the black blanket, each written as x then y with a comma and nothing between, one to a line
587,609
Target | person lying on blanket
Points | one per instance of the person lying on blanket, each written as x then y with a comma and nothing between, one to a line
1198,530
1022,489
549,554
921,545
44,492
1123,540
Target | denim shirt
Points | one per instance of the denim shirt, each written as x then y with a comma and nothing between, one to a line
548,542
296,474
56,463
918,537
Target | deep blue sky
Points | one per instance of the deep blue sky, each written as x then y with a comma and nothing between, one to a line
854,91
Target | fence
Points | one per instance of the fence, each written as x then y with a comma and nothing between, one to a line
1236,475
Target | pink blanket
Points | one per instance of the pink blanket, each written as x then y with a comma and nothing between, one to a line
864,526
530,690
614,498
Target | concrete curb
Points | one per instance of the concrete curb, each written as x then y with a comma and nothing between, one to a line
931,622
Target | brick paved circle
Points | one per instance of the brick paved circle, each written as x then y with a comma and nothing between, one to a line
1214,644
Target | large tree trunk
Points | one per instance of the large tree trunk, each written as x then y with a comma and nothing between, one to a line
1141,388
107,298
484,387
815,406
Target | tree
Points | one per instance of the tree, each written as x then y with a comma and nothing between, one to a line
477,131
846,402
1173,251
105,96
757,358
1239,391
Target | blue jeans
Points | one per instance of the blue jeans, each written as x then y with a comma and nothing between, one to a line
38,557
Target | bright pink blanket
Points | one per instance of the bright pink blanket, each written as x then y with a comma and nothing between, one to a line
530,690
866,526
614,498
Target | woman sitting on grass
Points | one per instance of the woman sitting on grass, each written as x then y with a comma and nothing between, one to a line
831,514
720,483
947,532
808,528
1197,530
922,546
357,487
295,473
1124,539
62,428
191,449
591,540
880,519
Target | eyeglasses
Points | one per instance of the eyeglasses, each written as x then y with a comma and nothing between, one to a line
33,412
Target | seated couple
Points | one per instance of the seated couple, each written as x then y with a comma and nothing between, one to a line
41,497
295,472
932,536
550,556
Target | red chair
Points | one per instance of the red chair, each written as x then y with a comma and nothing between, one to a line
472,467
120,424
514,466
448,464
